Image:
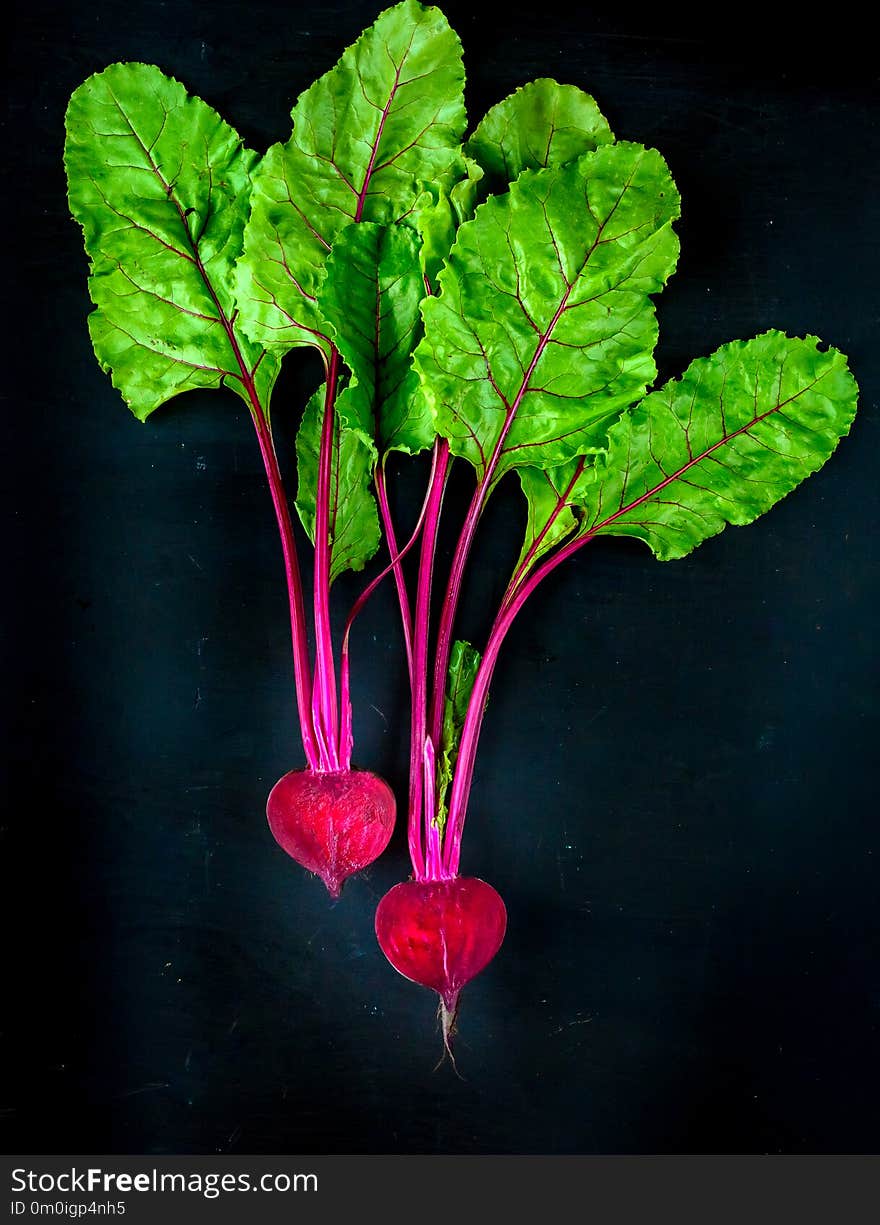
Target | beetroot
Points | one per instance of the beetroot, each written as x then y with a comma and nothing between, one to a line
332,823
441,933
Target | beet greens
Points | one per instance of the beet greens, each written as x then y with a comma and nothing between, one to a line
490,300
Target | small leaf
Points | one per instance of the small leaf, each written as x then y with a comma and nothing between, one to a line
722,444
371,299
354,522
550,517
160,185
464,663
388,117
464,194
544,331
437,214
540,124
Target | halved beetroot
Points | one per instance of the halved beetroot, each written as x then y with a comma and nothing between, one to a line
333,824
441,933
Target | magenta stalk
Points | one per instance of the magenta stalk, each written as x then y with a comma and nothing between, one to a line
345,732
260,418
421,630
301,667
324,700
396,554
450,608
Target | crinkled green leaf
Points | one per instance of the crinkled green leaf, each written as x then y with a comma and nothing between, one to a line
464,193
540,124
434,221
722,444
160,185
544,331
370,298
354,522
464,663
437,214
387,118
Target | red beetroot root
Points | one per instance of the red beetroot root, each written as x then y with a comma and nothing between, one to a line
333,824
441,933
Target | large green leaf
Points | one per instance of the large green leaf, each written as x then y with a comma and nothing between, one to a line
544,331
540,124
387,118
353,519
722,444
160,185
370,299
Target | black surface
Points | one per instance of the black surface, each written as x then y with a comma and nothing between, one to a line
675,792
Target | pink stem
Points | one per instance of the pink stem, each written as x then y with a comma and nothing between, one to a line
324,700
388,527
397,554
345,732
470,733
301,667
434,869
450,608
419,709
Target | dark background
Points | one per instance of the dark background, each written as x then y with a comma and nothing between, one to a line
675,791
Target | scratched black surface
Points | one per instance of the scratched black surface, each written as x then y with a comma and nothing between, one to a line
675,792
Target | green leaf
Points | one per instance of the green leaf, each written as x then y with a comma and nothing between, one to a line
722,444
464,663
354,522
387,118
540,124
543,331
370,299
160,185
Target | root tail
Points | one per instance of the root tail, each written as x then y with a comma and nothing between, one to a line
447,1013
334,886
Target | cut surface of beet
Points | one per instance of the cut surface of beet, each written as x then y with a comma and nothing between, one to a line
441,933
333,824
